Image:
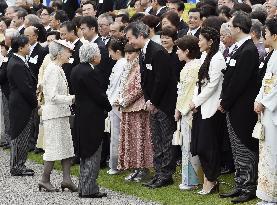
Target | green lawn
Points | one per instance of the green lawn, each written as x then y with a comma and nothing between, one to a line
170,195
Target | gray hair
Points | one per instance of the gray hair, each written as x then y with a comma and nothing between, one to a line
226,28
257,28
138,28
87,51
11,32
55,49
258,8
106,16
33,19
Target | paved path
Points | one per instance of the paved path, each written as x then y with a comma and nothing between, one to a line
24,190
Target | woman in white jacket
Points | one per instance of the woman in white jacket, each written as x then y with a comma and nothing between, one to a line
206,125
58,143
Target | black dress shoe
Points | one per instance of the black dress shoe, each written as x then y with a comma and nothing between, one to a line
96,195
23,174
227,170
244,198
234,193
152,181
161,183
29,170
38,150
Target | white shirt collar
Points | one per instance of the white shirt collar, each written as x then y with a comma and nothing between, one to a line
74,42
32,48
94,39
148,9
47,27
20,27
242,41
21,57
145,46
193,31
159,10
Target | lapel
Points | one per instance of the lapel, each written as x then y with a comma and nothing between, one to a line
35,51
235,55
28,70
148,55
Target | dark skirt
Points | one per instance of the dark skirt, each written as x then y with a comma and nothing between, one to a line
205,142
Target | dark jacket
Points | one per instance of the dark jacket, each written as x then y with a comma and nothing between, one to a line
262,68
176,63
91,103
68,66
239,90
4,78
36,58
22,99
106,63
158,78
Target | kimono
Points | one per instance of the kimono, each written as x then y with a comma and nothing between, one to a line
267,181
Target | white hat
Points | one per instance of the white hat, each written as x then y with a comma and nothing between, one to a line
65,43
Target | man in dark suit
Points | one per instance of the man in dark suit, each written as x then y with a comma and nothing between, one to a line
35,59
22,102
179,7
239,90
194,22
104,21
19,18
104,6
158,7
70,6
89,27
159,86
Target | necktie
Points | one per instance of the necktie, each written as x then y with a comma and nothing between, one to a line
233,51
226,53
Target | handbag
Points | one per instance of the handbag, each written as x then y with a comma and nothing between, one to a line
177,136
258,131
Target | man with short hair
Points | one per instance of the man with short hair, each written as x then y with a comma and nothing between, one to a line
158,7
104,21
89,9
159,85
10,11
116,30
30,20
57,19
239,90
194,22
271,8
18,19
179,7
45,17
229,3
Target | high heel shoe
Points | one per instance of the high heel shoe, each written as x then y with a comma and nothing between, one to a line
69,186
214,189
46,187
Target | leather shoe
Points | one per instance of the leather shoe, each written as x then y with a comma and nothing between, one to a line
96,195
38,150
233,193
29,170
152,181
244,198
161,183
23,174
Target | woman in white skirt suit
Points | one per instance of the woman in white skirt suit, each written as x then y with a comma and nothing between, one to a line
58,143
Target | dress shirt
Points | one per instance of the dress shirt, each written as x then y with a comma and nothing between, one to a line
21,57
242,41
94,39
32,48
20,27
192,32
145,46
159,10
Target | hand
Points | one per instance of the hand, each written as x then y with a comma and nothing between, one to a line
258,107
177,115
191,105
116,103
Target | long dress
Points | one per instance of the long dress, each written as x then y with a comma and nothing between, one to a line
191,167
135,146
267,169
58,143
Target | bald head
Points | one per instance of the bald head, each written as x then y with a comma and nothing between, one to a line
32,33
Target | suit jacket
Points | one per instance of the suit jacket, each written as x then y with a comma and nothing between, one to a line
22,31
185,32
91,102
36,58
106,63
104,7
22,98
3,76
239,90
262,68
158,78
70,6
68,66
182,26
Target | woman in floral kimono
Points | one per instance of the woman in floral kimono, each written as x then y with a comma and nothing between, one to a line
266,105
188,50
135,146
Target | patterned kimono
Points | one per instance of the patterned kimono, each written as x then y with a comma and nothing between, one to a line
267,182
191,169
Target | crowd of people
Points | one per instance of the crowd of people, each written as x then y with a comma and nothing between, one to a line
95,86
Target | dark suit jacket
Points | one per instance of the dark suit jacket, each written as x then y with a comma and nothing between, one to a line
22,31
106,63
91,102
4,78
159,82
70,7
68,67
39,53
22,99
239,90
182,26
262,70
104,7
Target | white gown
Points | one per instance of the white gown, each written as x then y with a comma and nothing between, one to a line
267,182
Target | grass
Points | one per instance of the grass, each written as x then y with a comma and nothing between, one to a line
170,195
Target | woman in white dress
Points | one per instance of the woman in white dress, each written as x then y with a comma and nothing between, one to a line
58,143
266,105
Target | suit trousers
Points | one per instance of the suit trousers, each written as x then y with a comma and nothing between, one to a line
115,117
34,130
162,128
89,171
7,137
245,160
19,149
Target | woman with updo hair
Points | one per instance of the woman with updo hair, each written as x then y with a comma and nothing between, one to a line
207,120
189,52
152,22
116,51
58,143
